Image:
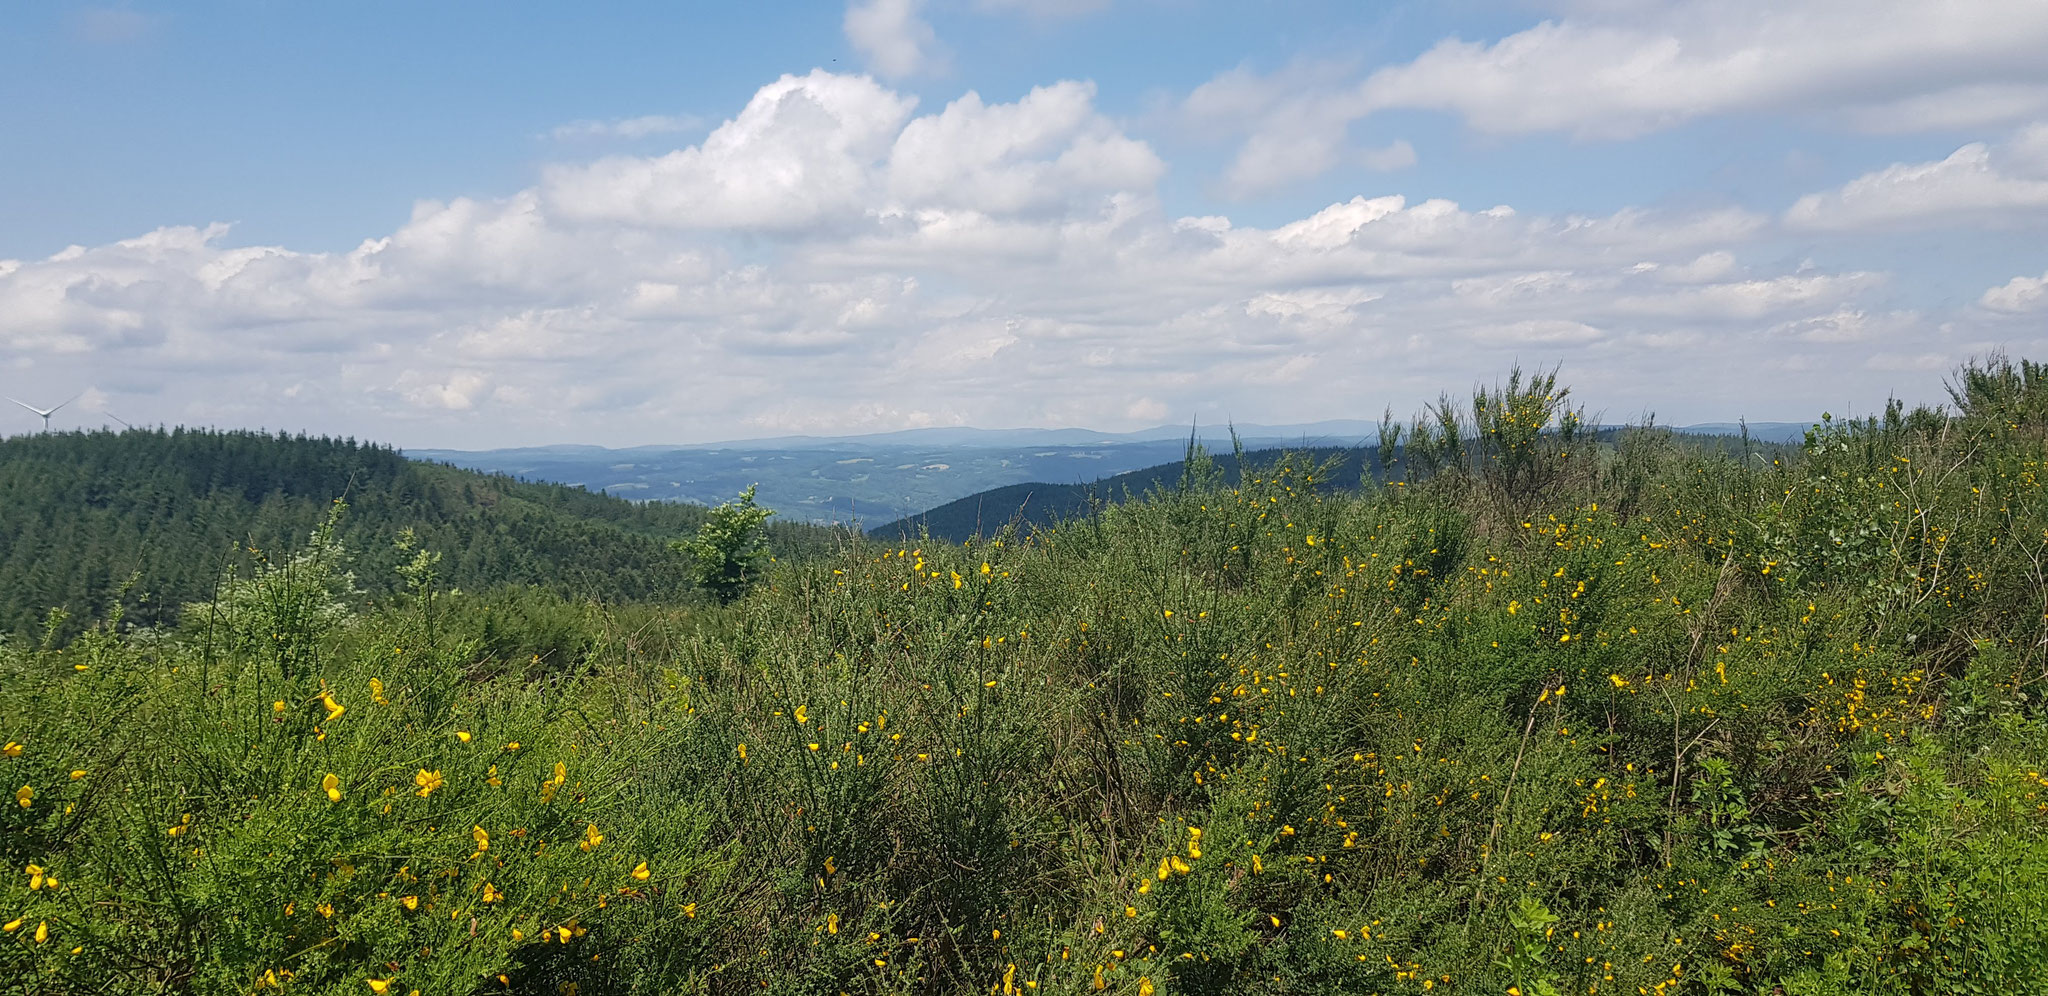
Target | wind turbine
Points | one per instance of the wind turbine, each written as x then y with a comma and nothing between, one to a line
117,418
46,412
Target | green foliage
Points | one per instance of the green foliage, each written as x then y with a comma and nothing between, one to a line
155,519
727,553
1517,441
1690,717
220,816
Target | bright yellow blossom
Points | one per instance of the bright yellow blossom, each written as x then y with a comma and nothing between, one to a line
428,781
333,786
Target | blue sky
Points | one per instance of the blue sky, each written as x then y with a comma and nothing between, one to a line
506,224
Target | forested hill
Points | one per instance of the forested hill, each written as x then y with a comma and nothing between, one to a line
1042,504
1039,504
81,512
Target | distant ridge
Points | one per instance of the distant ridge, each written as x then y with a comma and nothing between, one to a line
1039,503
882,477
1326,432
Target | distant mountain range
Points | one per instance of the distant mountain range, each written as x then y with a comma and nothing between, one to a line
887,476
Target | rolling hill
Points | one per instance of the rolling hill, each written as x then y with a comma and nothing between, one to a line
1039,503
82,512
883,477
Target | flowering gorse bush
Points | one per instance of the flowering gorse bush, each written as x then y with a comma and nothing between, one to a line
1618,713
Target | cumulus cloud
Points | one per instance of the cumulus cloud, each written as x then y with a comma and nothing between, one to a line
1976,106
2019,295
893,36
1619,70
1296,124
1975,185
1016,158
1635,68
799,154
830,259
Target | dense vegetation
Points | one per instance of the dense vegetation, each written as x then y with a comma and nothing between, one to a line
1041,504
1533,717
1037,505
153,519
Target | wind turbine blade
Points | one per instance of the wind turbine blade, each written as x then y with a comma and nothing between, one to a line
67,401
27,406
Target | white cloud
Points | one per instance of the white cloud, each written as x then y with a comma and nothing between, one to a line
1619,70
829,260
893,36
1016,158
1850,325
645,126
1975,185
1642,67
1296,124
2018,295
1975,106
801,153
